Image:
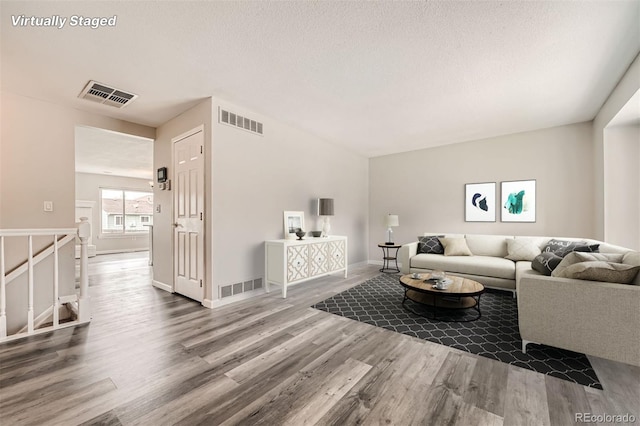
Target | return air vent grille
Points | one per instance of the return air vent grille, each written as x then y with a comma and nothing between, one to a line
241,287
101,93
244,123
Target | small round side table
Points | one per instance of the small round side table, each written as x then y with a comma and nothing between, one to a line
387,258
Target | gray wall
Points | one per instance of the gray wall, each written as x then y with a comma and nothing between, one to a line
256,178
88,189
626,88
38,159
622,186
251,180
426,187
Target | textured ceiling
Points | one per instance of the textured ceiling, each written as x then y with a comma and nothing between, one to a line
376,77
101,152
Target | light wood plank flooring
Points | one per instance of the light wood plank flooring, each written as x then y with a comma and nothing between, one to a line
154,358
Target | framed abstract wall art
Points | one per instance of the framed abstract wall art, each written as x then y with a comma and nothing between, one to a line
518,201
480,202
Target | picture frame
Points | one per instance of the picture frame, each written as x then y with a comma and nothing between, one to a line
518,201
480,202
293,222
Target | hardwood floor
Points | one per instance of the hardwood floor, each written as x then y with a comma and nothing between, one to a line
153,358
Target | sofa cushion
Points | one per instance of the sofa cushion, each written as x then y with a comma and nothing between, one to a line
578,257
488,245
545,263
607,257
430,244
524,267
600,270
455,247
522,249
631,258
487,266
611,248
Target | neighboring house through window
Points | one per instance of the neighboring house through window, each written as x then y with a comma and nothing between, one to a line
125,212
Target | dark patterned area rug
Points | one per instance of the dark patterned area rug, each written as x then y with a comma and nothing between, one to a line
495,335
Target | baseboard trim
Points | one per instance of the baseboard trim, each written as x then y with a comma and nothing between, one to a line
121,251
163,286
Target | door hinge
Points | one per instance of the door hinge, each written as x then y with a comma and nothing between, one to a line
200,283
200,149
200,215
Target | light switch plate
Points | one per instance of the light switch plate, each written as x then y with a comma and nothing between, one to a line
48,206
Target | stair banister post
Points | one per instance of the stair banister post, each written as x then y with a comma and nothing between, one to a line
30,318
56,283
84,302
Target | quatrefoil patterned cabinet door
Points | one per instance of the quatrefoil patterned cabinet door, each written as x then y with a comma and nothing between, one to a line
319,259
336,255
297,262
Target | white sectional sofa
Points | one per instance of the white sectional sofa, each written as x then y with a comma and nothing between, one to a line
592,317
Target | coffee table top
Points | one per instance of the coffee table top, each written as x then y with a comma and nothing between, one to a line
459,286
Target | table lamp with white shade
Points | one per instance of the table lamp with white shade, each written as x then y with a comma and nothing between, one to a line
390,221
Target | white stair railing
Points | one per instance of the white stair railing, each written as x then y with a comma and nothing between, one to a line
61,237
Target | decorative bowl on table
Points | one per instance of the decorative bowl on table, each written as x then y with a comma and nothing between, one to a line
316,234
301,234
438,275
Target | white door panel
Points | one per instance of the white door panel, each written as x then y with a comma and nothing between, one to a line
189,216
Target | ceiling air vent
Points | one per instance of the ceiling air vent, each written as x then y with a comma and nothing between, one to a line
106,95
240,122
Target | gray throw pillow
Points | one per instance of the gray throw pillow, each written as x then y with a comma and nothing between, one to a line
430,244
563,247
545,263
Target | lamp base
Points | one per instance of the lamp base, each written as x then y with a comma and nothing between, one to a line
389,243
326,227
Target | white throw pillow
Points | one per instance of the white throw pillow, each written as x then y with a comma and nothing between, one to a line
455,247
522,249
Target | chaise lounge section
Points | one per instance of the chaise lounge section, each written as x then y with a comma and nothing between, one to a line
598,318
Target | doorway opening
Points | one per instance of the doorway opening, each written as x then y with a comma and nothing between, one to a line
114,190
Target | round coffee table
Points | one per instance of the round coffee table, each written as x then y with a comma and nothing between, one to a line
462,293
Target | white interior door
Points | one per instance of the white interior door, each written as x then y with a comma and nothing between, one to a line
188,213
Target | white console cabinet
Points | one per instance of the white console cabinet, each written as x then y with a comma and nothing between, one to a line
289,262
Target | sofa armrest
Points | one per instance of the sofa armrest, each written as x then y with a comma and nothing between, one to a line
596,318
406,252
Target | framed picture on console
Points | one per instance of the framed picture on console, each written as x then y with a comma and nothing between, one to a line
480,202
293,222
518,201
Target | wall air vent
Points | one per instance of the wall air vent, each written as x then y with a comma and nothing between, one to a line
240,122
106,95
